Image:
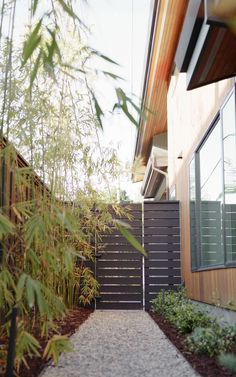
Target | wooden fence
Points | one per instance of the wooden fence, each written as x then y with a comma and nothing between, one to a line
129,281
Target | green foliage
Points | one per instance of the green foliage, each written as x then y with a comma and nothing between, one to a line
26,343
49,219
212,340
55,346
6,226
32,42
228,361
7,287
178,309
130,237
186,318
166,301
204,334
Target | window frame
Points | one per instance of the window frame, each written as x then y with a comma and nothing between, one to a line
196,157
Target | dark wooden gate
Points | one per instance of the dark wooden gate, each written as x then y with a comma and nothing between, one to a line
162,243
119,268
129,281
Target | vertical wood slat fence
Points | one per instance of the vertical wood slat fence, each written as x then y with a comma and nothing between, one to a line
129,281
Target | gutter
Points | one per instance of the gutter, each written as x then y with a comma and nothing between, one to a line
155,12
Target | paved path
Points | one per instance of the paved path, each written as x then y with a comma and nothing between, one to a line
121,344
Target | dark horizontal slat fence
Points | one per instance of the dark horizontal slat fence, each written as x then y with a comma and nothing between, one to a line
119,268
162,243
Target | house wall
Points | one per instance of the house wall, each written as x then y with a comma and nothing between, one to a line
190,114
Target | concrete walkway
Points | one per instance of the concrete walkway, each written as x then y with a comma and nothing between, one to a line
121,344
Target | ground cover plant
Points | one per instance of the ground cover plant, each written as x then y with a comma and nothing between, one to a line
201,338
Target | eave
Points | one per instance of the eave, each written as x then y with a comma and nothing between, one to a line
167,23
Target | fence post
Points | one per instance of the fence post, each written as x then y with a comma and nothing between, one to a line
11,345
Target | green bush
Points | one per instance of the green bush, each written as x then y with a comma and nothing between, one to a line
186,318
228,361
179,310
211,340
164,303
208,336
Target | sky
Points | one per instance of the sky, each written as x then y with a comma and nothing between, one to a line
120,30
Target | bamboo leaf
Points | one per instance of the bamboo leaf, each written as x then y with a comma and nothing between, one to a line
112,75
30,292
68,9
17,213
6,226
99,112
31,42
131,239
39,296
35,5
102,56
56,345
35,69
20,286
122,223
128,114
122,104
25,343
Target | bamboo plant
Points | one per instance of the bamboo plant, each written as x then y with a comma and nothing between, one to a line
51,207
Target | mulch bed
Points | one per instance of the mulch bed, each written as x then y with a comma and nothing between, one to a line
68,326
204,365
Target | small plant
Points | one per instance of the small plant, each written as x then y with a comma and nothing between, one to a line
230,305
212,340
56,345
228,361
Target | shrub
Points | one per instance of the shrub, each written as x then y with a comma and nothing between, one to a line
164,303
228,361
179,310
212,340
186,318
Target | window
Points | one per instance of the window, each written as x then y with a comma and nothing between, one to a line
212,192
192,195
229,144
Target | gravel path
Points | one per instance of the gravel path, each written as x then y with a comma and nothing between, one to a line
121,344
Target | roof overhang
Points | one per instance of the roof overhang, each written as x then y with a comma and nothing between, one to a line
167,22
207,47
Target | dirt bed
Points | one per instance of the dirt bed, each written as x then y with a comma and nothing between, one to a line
204,365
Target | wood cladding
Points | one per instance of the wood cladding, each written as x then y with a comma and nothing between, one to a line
193,112
169,18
